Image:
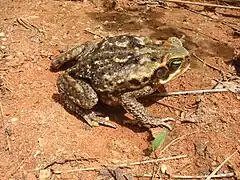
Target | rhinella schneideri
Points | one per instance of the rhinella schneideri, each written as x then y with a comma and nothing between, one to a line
118,70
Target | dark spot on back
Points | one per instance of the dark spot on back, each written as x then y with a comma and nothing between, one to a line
155,59
135,82
111,83
145,79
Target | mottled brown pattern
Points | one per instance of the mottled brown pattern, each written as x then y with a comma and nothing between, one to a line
118,70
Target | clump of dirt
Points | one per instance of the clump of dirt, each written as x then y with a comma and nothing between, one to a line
42,140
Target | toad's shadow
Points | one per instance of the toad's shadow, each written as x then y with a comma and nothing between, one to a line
160,28
116,114
112,21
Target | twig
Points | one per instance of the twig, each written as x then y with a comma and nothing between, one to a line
8,134
154,175
21,163
216,20
28,155
63,161
23,23
152,160
199,32
171,106
122,165
204,4
196,92
175,141
219,167
78,170
209,65
8,86
2,116
28,25
6,131
89,31
188,177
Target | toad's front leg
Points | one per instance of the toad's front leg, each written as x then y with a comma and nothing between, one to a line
131,105
79,97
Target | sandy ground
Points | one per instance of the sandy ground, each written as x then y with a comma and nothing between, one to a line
37,133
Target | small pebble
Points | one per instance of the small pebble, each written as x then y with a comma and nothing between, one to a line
2,34
45,174
163,168
19,53
14,119
177,112
10,57
37,153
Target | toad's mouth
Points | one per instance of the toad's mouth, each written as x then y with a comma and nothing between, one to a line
170,76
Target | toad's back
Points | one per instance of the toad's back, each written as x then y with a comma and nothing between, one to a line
120,64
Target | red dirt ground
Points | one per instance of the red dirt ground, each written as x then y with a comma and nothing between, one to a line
37,132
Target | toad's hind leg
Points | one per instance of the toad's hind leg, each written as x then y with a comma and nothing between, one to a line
74,54
79,97
78,91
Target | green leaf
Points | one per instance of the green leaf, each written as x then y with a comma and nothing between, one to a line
159,139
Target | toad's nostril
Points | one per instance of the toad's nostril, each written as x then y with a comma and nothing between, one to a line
162,72
187,58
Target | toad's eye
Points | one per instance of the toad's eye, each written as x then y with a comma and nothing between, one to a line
175,63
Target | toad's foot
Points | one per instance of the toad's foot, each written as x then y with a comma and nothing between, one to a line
89,116
94,120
